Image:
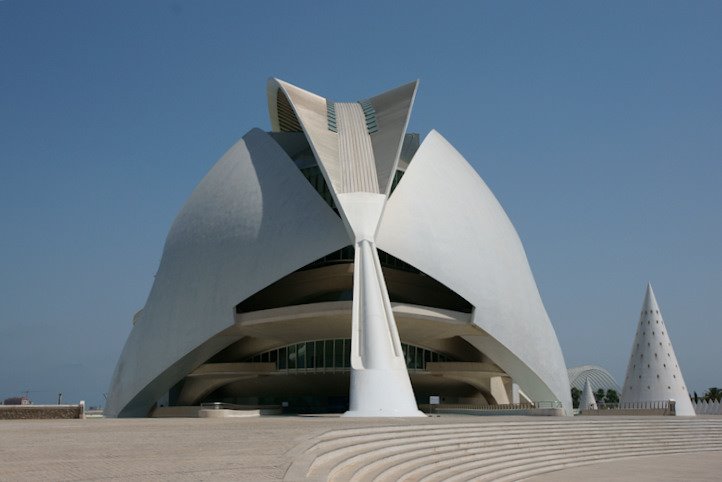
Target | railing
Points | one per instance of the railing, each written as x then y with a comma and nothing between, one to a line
232,406
510,408
472,406
651,407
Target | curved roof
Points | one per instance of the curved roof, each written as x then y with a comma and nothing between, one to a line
252,220
598,378
445,221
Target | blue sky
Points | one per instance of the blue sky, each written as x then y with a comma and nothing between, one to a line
598,125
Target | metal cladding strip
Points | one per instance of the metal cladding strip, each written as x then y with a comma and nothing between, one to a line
653,371
331,115
443,220
369,116
355,150
223,246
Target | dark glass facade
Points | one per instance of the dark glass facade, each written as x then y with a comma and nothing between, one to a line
320,356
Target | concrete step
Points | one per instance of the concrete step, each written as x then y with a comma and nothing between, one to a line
542,425
526,475
530,469
666,421
398,465
341,446
351,453
510,466
432,463
463,449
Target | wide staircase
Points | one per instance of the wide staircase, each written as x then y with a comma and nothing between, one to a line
495,449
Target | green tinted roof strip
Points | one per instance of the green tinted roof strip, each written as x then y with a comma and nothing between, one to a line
331,115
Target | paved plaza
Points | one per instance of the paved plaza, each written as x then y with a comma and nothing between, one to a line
252,449
249,449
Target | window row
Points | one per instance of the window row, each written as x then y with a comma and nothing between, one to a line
336,354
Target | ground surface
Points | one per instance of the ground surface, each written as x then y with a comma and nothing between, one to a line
696,466
253,449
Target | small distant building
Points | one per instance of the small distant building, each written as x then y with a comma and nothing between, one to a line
587,401
17,401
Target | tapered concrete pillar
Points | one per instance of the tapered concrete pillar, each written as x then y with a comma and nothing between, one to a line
357,147
380,384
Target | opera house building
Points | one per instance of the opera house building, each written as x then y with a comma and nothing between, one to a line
339,263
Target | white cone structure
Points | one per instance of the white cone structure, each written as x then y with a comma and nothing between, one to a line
587,400
653,373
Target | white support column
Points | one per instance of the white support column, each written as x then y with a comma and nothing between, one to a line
380,384
498,390
358,169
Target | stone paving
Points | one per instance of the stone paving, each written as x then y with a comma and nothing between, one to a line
254,449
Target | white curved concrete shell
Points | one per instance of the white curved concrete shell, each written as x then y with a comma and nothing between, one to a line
443,219
436,275
224,246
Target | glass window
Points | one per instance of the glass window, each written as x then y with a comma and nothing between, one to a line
319,354
419,361
282,361
347,353
407,356
301,355
328,353
338,353
292,357
310,355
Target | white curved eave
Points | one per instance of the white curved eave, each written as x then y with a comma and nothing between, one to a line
444,220
252,220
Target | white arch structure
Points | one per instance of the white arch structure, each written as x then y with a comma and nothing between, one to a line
254,219
598,378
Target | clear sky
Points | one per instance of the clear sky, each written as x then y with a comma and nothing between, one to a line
598,125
